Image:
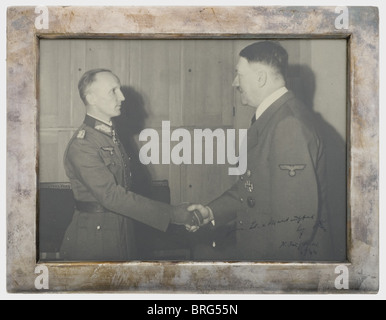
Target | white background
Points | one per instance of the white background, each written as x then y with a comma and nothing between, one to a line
4,4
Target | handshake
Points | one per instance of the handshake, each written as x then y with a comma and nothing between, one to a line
192,216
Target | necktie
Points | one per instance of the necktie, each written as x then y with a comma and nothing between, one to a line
253,119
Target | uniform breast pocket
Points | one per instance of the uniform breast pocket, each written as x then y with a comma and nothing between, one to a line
111,160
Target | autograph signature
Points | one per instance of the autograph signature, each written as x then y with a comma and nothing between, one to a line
309,249
273,223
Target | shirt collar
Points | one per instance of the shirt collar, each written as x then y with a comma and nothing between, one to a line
109,123
267,102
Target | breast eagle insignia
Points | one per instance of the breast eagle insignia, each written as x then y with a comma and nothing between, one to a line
292,168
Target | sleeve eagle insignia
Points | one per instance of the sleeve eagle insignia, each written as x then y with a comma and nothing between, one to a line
292,168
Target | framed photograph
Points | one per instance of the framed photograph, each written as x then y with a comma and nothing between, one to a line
192,149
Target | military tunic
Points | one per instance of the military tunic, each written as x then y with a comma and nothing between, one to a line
103,223
278,205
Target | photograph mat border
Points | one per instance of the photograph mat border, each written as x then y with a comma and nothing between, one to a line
185,277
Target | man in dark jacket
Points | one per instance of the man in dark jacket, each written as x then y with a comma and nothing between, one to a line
98,167
278,206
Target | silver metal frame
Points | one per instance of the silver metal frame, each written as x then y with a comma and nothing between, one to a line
193,22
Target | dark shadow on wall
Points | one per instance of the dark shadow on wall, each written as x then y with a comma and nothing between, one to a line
131,123
301,80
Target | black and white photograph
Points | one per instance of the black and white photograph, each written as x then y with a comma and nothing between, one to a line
171,150
193,150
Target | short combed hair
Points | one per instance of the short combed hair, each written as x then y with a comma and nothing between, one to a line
267,52
87,80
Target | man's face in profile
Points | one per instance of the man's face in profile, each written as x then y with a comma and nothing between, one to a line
246,82
106,95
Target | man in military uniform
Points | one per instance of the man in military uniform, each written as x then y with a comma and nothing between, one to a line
99,171
278,206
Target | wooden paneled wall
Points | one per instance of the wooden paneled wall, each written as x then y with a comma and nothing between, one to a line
186,82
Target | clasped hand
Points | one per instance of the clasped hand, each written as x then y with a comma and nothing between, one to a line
192,216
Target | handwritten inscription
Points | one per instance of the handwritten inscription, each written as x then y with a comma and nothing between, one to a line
301,225
273,222
309,249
